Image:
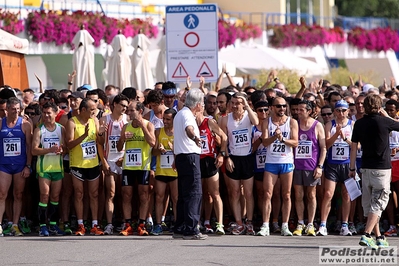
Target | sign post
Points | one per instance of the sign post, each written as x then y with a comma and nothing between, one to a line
192,42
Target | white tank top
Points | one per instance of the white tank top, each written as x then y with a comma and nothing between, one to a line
111,138
278,152
239,135
394,144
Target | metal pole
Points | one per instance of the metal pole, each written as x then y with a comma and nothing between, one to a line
298,12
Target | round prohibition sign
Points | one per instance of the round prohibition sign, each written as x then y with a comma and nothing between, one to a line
191,44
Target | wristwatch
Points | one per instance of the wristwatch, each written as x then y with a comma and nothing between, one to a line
320,166
223,153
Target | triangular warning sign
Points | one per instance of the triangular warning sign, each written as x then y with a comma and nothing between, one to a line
204,71
180,72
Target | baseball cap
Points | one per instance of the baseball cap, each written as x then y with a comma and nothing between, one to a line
367,87
77,94
341,104
85,87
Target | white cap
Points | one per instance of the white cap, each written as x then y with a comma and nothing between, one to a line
367,87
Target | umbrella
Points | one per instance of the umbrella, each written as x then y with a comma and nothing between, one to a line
141,75
119,65
252,59
83,59
160,70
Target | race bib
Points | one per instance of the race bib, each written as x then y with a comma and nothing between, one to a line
278,149
133,157
261,158
112,143
359,153
12,147
50,142
304,150
89,149
204,145
241,138
167,160
340,151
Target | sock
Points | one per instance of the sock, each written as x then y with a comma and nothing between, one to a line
344,224
22,218
41,212
381,237
141,221
163,218
367,235
284,225
301,222
149,220
275,223
323,223
93,223
207,222
53,215
266,224
80,221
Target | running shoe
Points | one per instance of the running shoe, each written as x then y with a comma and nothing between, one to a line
157,230
67,229
1,230
96,230
164,227
109,229
367,241
391,232
231,227
291,224
239,230
383,243
23,225
250,229
208,229
298,230
322,231
127,230
285,231
56,231
43,231
352,229
276,228
198,236
80,230
7,229
219,229
264,231
345,231
149,227
360,228
310,230
15,230
141,231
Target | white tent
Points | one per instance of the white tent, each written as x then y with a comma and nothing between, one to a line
160,68
142,77
118,64
252,59
83,59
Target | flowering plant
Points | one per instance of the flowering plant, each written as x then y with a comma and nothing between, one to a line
378,39
9,22
304,35
229,32
61,27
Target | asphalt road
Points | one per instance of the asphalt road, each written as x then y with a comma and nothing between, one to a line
163,250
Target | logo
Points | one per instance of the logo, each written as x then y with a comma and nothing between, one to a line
303,137
10,134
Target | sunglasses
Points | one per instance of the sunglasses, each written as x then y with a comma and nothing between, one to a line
341,110
30,113
263,110
124,106
64,107
95,101
280,105
326,114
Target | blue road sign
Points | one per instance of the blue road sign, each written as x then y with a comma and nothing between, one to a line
191,21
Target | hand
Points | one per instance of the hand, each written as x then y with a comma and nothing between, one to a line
161,148
174,166
71,76
244,101
188,82
223,68
86,129
385,84
106,168
170,145
351,80
383,112
128,135
302,80
26,172
201,81
139,122
278,134
38,79
219,161
317,173
352,174
229,165
198,141
119,162
103,127
320,85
